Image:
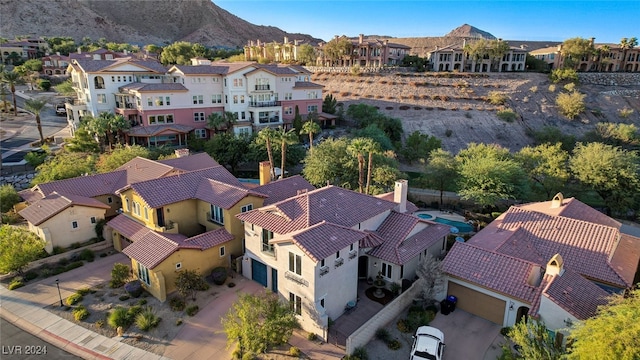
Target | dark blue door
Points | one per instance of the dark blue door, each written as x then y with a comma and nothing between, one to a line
274,281
259,272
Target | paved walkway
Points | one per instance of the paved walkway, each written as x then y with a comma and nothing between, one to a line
201,337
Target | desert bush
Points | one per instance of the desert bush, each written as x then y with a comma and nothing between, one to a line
133,288
192,310
570,87
497,98
84,291
558,75
147,319
625,113
394,344
80,313
15,283
119,275
99,323
142,302
448,133
73,299
505,331
124,297
119,317
383,334
571,104
402,326
533,89
360,353
552,88
294,351
312,336
73,265
178,322
176,303
507,115
30,275
87,255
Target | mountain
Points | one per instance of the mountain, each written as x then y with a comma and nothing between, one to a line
468,31
137,22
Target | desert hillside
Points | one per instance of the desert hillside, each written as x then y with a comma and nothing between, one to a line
457,106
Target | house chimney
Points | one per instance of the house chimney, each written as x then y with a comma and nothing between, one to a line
360,38
557,201
592,41
264,171
286,40
181,152
400,195
79,50
555,266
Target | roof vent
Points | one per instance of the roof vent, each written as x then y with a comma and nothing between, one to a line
557,201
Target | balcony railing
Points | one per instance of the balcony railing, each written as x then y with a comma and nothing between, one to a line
269,120
264,103
263,87
296,278
121,105
268,248
339,262
352,254
324,270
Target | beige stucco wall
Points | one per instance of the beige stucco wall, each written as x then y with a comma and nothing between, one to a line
57,231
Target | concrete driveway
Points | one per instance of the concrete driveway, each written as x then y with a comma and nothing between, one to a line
469,337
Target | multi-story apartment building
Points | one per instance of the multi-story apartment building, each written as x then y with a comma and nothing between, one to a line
55,64
365,52
455,58
164,105
284,52
604,58
22,50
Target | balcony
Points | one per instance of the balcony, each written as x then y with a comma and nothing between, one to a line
122,105
269,120
352,254
324,270
261,104
339,262
212,219
268,248
262,87
296,278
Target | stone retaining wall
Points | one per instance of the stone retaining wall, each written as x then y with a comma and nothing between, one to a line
610,79
363,69
21,180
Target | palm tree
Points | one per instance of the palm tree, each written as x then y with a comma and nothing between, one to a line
285,138
310,127
36,106
12,78
357,147
372,147
626,44
216,121
266,136
3,96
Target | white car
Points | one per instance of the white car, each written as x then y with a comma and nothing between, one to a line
428,343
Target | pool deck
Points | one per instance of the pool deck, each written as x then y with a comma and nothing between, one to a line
442,215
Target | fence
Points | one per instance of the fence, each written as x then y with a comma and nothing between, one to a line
366,332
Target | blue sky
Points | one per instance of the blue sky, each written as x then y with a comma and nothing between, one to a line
607,21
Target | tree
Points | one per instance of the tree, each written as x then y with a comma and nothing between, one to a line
18,247
338,49
285,138
372,148
570,104
259,322
8,197
306,55
534,341
33,65
546,166
64,165
575,49
65,88
553,135
610,335
224,120
297,121
489,174
419,146
180,52
440,171
330,162
329,104
610,171
493,50
120,273
228,149
357,147
63,45
12,78
431,277
83,142
36,106
376,134
188,282
626,44
310,127
266,137
120,156
106,127
626,136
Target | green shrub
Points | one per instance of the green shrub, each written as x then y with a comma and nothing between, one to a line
99,323
44,84
248,356
570,105
570,87
87,255
294,351
124,297
383,334
84,291
119,317
142,302
73,299
176,304
360,353
8,197
219,275
625,113
134,311
35,158
134,288
147,319
507,115
497,98
80,313
30,275
119,275
402,326
312,337
58,250
178,322
505,331
558,75
192,310
63,262
15,283
394,344
73,265
75,245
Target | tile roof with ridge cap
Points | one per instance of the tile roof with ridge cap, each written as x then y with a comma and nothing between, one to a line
128,227
574,209
331,203
283,188
54,203
192,162
575,294
200,69
273,69
307,85
152,87
411,207
154,130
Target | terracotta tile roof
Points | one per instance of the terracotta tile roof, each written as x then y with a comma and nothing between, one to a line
307,85
153,130
192,162
141,169
626,256
283,189
491,270
128,227
411,207
372,240
215,185
201,69
30,195
151,249
274,69
574,209
537,299
152,87
323,239
210,239
575,294
53,204
404,239
89,186
332,204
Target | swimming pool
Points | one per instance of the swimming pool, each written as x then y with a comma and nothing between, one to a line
463,227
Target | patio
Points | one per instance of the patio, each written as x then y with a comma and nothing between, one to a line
350,321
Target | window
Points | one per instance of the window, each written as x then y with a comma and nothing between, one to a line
216,99
295,302
266,236
146,213
178,266
149,102
200,133
288,110
351,247
98,82
246,208
222,251
312,109
235,99
74,224
288,96
198,99
109,200
159,101
244,131
102,98
295,263
126,201
312,95
143,273
93,220
237,82
241,99
198,116
161,119
217,214
386,270
215,80
322,263
136,208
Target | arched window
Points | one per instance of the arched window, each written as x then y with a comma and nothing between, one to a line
99,82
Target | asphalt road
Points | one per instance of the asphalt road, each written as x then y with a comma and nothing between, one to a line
27,132
16,344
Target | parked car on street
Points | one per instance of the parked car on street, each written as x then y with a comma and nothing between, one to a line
428,344
61,109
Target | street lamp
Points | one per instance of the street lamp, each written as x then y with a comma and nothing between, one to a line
59,295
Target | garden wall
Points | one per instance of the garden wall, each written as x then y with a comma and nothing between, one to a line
610,79
99,246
